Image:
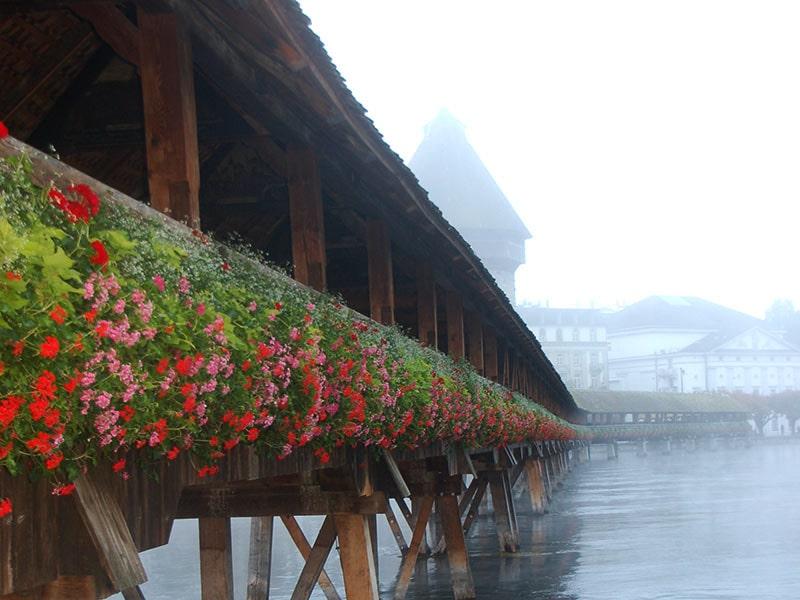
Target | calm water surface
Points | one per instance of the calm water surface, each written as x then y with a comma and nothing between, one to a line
711,524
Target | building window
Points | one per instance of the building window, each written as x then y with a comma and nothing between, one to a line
559,335
576,335
576,360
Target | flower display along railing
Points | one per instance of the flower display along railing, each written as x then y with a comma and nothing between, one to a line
121,330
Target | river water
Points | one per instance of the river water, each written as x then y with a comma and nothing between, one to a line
713,524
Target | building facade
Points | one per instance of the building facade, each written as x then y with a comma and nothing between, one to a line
575,341
685,344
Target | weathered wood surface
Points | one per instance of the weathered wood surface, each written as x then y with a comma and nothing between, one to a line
216,562
313,569
455,325
356,556
305,549
112,539
170,116
427,322
457,556
306,217
259,564
380,272
417,537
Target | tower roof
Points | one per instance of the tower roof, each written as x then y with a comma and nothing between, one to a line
460,184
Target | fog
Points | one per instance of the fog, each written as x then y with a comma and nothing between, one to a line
650,147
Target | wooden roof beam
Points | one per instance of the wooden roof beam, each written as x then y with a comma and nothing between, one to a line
113,27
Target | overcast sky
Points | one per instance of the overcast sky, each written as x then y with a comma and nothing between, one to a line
650,147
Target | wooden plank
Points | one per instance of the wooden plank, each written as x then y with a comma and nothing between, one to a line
490,354
410,559
66,587
355,554
381,276
216,563
427,322
455,325
315,561
474,340
533,470
113,27
305,549
170,117
306,217
395,528
260,559
457,557
109,532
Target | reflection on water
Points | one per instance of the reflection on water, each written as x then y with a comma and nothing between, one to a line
721,524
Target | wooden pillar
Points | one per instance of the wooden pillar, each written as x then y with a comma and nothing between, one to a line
535,485
426,305
423,513
170,118
306,217
455,325
474,335
355,553
216,563
502,504
490,354
381,278
260,560
313,571
457,557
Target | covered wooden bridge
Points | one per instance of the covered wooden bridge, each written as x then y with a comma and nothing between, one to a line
228,115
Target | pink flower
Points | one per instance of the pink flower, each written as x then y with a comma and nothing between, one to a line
158,281
184,286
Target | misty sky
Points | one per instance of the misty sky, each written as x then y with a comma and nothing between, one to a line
651,147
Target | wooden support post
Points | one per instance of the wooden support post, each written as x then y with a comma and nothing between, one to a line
455,325
427,322
260,560
474,336
395,527
372,523
502,504
416,506
535,485
216,563
109,532
355,554
410,559
315,560
381,277
457,557
490,354
475,505
305,549
170,118
306,217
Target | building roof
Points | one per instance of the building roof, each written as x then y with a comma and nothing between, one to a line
459,183
719,338
537,316
641,402
679,312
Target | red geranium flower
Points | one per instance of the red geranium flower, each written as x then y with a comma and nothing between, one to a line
5,503
11,276
119,465
3,130
49,348
17,348
5,450
64,490
100,256
58,314
53,461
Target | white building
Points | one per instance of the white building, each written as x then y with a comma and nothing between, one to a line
685,344
574,339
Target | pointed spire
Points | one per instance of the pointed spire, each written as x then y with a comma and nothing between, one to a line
458,182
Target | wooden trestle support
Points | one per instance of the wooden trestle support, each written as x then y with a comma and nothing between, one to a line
350,493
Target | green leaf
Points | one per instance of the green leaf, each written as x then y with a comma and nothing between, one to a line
58,262
11,243
118,240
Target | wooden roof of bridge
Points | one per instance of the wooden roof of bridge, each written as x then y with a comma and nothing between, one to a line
597,401
263,82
